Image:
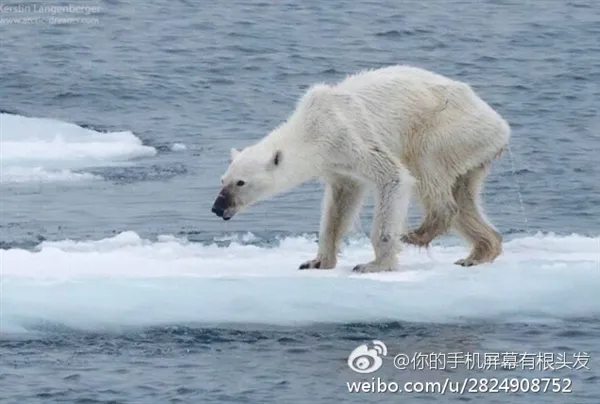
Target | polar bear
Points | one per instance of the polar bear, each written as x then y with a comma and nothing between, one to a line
397,130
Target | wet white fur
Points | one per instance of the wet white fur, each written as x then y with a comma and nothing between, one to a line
397,129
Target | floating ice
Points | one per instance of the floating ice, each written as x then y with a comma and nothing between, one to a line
42,149
128,281
178,147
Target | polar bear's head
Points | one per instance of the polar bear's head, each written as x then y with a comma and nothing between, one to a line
254,174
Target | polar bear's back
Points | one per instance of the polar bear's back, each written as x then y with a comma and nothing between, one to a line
397,99
415,114
404,93
393,75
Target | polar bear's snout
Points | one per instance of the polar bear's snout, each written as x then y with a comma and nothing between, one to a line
222,206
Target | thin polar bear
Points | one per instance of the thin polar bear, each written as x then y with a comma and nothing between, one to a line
400,131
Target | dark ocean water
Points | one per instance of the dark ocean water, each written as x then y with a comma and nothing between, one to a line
211,76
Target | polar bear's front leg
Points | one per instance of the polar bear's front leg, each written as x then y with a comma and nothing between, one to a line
341,203
391,211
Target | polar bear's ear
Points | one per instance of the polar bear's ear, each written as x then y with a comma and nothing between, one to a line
233,154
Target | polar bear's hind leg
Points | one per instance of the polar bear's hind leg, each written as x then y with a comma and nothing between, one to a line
440,208
470,222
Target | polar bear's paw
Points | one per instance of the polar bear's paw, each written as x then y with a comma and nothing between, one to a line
467,262
318,263
471,262
417,238
371,267
483,253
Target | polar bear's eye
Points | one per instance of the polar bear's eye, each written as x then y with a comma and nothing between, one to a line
240,183
277,157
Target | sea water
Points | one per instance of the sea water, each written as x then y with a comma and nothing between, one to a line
119,285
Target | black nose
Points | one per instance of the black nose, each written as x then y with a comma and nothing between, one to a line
220,205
